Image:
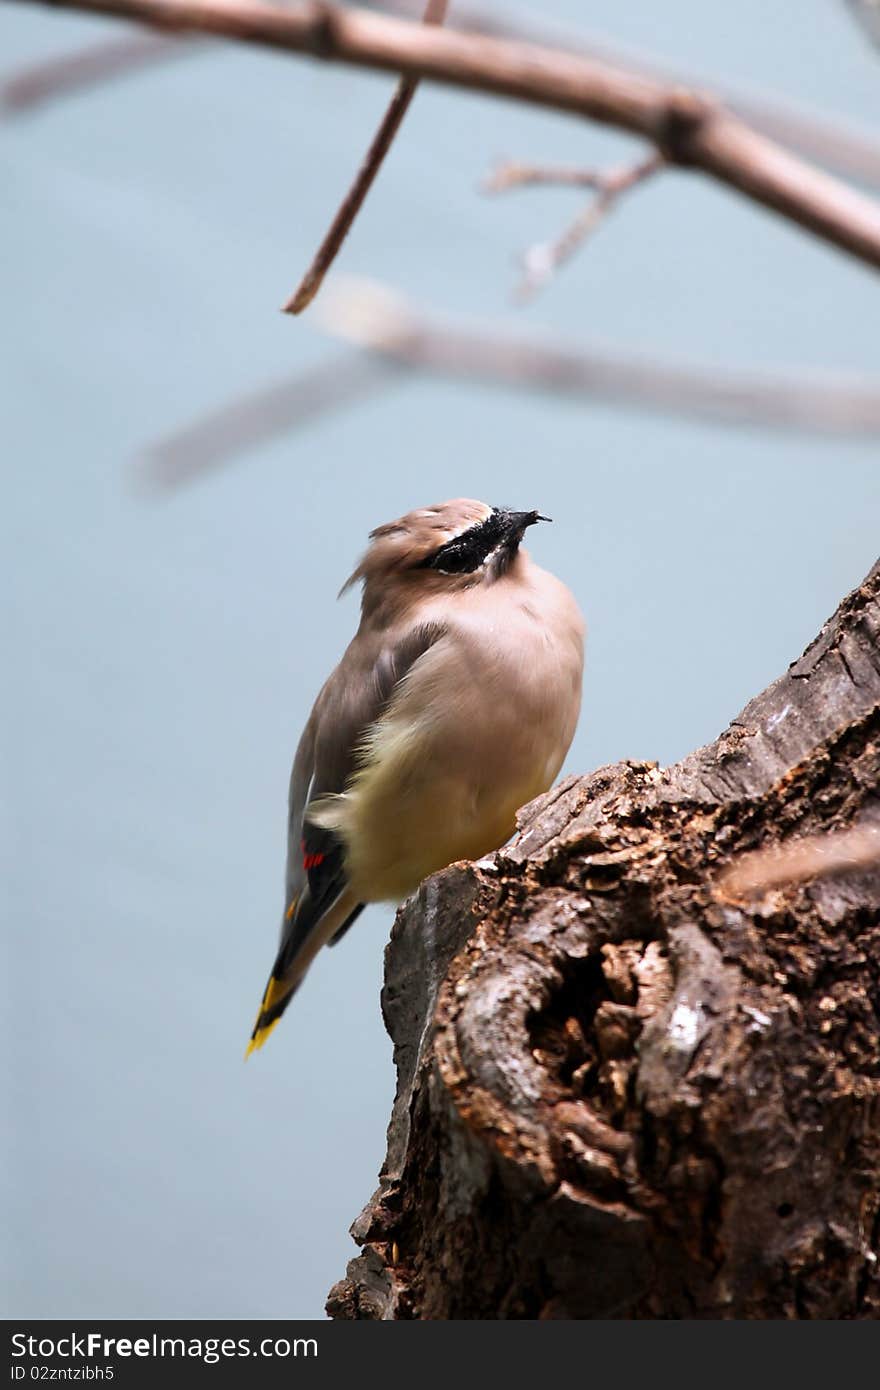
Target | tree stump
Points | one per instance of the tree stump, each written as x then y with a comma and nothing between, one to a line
623,1091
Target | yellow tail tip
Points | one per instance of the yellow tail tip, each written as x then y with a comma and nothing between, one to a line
260,1036
275,991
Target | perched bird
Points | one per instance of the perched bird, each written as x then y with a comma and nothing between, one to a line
454,704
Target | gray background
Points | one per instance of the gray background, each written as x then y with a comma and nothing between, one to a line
162,653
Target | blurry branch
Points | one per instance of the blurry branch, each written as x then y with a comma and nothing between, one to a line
435,13
394,340
512,174
867,12
370,316
840,146
688,128
74,72
260,417
541,261
818,856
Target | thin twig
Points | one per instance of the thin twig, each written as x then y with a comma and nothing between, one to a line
261,416
435,13
689,129
799,861
544,259
513,174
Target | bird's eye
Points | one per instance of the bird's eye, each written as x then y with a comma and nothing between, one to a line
454,558
467,552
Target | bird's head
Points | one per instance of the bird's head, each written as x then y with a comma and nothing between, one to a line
451,546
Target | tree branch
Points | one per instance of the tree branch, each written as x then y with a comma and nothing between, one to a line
371,316
848,150
435,13
688,129
396,340
542,261
800,861
99,62
259,417
836,144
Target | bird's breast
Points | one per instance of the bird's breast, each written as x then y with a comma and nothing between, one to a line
479,726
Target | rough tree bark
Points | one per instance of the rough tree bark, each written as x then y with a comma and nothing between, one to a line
621,1093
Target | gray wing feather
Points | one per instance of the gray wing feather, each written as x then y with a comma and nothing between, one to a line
350,702
301,779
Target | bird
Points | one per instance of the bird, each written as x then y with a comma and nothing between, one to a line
454,705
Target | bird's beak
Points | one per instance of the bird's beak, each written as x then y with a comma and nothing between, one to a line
520,521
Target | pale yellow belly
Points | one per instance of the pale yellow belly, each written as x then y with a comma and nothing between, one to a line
416,809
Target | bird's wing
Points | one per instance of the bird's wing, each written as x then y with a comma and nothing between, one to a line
349,705
301,778
318,906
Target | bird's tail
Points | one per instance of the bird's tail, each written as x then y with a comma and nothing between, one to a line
306,930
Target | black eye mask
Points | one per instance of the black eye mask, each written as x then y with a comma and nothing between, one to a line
468,551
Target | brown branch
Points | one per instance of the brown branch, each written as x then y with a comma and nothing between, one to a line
689,129
843,147
544,259
435,13
799,861
513,174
